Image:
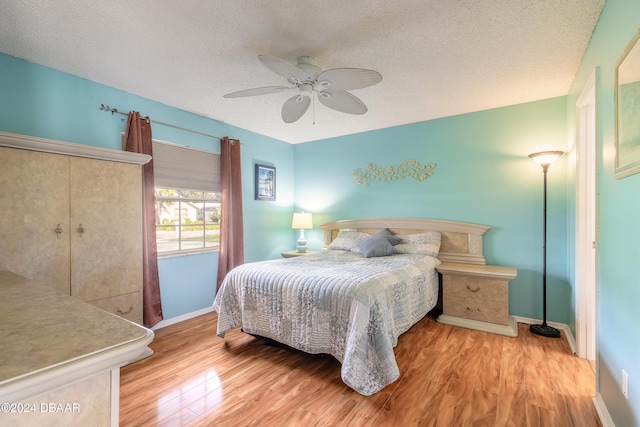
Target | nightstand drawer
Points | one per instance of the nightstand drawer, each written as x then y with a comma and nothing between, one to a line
476,288
476,309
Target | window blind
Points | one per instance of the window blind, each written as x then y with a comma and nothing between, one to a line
177,166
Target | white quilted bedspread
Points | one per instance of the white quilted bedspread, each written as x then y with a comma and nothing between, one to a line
334,302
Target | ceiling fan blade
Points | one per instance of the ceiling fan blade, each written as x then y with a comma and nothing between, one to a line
342,101
295,107
283,68
349,78
256,91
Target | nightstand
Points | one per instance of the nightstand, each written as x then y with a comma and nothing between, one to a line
477,297
295,253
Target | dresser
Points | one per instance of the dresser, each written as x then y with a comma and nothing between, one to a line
477,297
61,357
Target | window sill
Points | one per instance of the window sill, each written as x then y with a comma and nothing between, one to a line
186,253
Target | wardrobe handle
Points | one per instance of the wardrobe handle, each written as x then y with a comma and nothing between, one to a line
80,230
473,290
58,231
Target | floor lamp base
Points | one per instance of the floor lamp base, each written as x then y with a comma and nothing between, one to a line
545,330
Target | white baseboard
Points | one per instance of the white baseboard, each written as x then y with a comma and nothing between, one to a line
602,411
166,322
560,326
510,330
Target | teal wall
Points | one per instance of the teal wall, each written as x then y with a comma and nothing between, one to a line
483,175
42,102
618,340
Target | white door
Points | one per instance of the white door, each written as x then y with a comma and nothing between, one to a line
586,222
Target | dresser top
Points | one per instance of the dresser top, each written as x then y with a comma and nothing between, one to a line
42,328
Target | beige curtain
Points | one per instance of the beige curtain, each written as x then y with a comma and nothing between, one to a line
231,221
137,139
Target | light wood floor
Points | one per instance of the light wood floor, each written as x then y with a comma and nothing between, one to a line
449,377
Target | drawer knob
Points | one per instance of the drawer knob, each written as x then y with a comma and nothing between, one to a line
125,312
471,310
477,288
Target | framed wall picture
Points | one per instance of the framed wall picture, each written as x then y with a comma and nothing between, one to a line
265,182
627,95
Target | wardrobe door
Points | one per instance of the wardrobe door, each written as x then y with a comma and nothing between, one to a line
34,216
106,238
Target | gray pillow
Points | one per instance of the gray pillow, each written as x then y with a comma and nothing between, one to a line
376,246
394,240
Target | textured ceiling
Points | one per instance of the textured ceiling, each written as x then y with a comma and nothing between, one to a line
438,58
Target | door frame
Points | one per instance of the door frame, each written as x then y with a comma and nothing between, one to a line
586,220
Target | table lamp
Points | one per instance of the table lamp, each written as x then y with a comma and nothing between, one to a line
302,221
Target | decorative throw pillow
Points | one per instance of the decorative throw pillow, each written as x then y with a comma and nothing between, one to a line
377,246
348,240
421,243
393,239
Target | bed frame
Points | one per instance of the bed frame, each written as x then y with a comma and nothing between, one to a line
461,241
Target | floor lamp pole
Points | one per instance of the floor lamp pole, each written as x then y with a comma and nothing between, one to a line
544,329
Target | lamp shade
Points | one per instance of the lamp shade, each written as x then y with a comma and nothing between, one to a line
302,220
545,157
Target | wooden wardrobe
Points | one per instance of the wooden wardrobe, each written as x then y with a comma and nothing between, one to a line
73,220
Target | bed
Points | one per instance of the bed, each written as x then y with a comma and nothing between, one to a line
353,299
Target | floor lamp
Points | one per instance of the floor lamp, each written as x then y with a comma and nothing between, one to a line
544,159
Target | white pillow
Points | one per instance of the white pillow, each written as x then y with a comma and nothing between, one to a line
348,240
420,243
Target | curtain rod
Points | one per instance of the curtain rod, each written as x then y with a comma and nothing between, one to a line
115,111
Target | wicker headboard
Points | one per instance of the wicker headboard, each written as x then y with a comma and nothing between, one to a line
461,241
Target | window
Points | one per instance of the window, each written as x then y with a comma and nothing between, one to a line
187,193
187,220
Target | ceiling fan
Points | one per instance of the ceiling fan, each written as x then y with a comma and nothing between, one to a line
330,86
